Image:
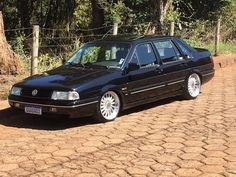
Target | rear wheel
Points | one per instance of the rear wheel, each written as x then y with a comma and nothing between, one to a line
108,107
192,87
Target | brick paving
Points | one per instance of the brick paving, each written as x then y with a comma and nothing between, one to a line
173,137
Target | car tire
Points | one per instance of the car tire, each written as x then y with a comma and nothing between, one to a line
192,86
109,107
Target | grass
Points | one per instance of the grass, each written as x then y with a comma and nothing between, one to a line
225,48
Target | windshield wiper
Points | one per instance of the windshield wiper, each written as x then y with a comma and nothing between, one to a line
92,65
87,65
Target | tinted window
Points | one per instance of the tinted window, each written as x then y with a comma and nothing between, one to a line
167,51
184,49
134,59
145,55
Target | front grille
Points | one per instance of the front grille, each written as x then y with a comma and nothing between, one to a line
41,93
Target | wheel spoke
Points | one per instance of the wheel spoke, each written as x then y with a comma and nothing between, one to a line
194,85
110,105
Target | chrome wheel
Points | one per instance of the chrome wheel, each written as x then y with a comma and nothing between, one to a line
110,105
194,85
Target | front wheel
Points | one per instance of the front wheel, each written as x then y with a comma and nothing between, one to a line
192,87
108,107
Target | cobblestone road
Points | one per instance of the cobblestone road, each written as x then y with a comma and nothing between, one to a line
169,138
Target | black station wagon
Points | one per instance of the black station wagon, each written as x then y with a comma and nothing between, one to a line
107,76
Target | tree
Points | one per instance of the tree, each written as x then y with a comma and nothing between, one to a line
97,14
25,8
159,10
9,61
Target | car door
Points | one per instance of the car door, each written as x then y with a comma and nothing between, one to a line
174,66
144,83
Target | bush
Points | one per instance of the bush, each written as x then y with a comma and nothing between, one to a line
46,62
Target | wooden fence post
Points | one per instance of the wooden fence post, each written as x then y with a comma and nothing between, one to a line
172,28
217,37
35,50
115,29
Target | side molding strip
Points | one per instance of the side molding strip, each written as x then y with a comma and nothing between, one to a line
147,89
172,83
159,86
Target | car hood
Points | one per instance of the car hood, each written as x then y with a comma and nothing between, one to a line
65,77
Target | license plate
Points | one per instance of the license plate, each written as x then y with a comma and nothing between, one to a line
33,110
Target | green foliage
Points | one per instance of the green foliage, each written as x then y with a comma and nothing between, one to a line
225,47
51,59
18,44
10,14
120,12
82,14
47,62
116,12
172,14
18,47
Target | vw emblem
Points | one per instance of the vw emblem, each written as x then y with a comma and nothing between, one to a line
34,92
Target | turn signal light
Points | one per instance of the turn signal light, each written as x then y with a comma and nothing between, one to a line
17,105
53,109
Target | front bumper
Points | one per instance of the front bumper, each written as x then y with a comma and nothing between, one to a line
83,109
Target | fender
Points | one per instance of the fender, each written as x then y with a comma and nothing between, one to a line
197,71
116,89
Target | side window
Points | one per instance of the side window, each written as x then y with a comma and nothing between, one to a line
184,49
145,55
167,51
134,59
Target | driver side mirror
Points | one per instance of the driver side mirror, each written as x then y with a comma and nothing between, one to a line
133,66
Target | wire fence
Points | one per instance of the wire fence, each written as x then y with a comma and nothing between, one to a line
56,45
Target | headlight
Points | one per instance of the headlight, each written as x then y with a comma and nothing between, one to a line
71,95
16,91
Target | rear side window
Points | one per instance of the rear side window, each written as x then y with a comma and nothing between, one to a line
145,55
167,51
184,49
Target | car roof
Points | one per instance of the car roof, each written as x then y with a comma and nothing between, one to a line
131,38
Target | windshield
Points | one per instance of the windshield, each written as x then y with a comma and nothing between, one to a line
101,54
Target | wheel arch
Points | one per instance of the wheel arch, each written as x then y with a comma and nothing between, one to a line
115,89
197,71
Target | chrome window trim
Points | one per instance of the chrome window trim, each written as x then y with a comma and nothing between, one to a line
156,87
56,106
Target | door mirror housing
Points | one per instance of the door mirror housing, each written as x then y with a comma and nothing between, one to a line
133,66
188,56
